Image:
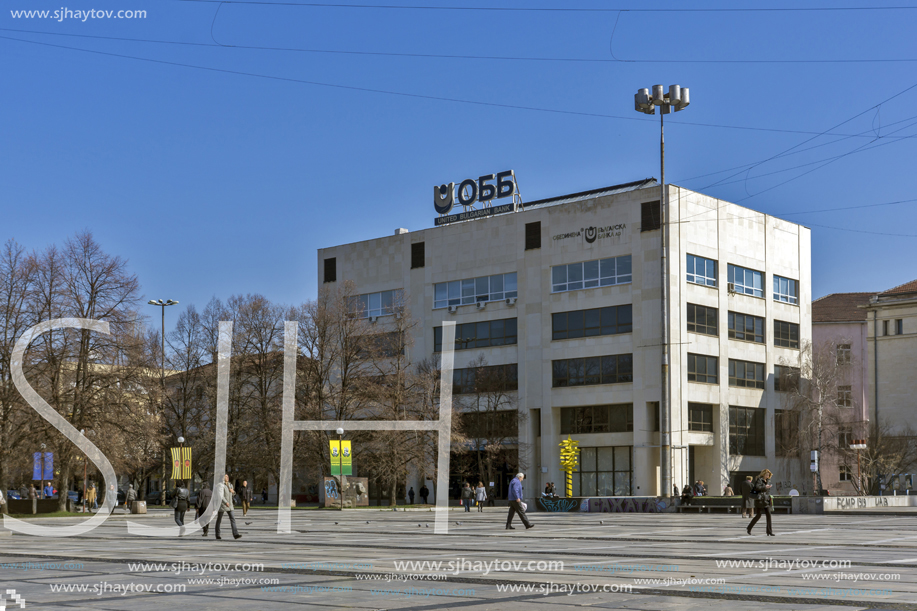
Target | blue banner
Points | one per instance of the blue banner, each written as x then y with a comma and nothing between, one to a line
49,465
36,466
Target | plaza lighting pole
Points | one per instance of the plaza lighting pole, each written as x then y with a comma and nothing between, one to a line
677,98
162,386
859,444
340,433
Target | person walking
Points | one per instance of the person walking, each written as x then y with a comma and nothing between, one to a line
246,494
762,501
23,492
264,496
491,497
226,506
204,498
480,496
130,497
180,504
91,496
516,505
411,495
467,495
748,503
424,493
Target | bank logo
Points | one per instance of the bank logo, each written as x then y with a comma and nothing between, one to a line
12,598
590,233
444,198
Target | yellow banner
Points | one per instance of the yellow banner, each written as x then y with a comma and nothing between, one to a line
335,457
348,458
181,463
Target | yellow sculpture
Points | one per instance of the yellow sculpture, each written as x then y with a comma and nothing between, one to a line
569,460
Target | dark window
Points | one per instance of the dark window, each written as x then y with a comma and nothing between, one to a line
417,255
654,415
479,334
487,379
650,216
845,396
533,235
884,327
612,369
746,328
844,354
786,334
899,326
331,270
612,320
786,432
700,417
618,418
746,374
491,425
606,471
786,379
702,368
385,344
702,319
746,431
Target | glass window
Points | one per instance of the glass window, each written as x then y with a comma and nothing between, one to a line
745,327
746,431
702,368
591,274
786,290
700,417
604,471
845,396
786,379
479,335
372,305
746,281
490,378
612,320
471,290
844,354
611,369
701,271
702,319
746,374
786,334
616,418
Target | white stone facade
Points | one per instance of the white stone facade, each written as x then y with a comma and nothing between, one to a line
699,225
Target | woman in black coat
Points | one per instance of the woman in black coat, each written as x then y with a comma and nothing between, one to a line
180,504
762,500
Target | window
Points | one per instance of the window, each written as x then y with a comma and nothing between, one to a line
702,319
650,216
490,378
843,354
473,290
533,235
845,396
746,281
786,432
884,327
899,326
700,417
493,425
845,474
701,271
331,270
385,344
417,255
702,368
479,334
786,379
844,438
605,471
746,431
746,374
655,416
612,320
786,334
612,369
590,274
746,328
617,418
786,290
372,305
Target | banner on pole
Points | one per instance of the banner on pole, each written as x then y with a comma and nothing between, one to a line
348,458
181,463
36,466
335,457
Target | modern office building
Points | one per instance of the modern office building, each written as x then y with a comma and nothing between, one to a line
566,292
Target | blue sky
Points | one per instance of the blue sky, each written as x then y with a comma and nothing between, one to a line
226,177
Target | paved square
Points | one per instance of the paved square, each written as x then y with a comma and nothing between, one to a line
368,559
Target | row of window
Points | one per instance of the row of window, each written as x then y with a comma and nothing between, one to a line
611,369
742,374
483,334
591,274
742,327
700,270
486,379
475,290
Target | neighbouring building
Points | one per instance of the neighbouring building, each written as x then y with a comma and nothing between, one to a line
564,293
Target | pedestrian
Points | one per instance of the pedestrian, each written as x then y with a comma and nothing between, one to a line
480,496
675,487
23,492
226,506
264,496
246,494
130,497
516,505
467,495
114,496
49,491
203,501
411,495
748,502
491,498
91,496
762,501
727,491
424,493
180,503
687,495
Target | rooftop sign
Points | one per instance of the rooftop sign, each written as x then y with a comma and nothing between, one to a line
470,192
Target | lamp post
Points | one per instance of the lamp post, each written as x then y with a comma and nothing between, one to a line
41,465
340,433
85,472
677,98
162,385
181,457
859,444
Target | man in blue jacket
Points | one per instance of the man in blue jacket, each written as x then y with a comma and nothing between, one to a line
515,502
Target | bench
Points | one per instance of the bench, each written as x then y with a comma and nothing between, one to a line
730,503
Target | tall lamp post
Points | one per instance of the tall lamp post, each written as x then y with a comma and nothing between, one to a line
340,433
677,98
181,456
162,386
859,444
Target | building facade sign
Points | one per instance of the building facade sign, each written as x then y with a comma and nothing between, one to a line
591,234
483,190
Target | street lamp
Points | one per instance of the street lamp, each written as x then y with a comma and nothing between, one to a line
340,433
41,465
162,383
859,444
85,472
181,446
677,98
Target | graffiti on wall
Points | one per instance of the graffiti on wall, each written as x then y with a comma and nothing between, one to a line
558,505
650,504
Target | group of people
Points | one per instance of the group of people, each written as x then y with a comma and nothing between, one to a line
550,491
424,493
478,495
755,497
